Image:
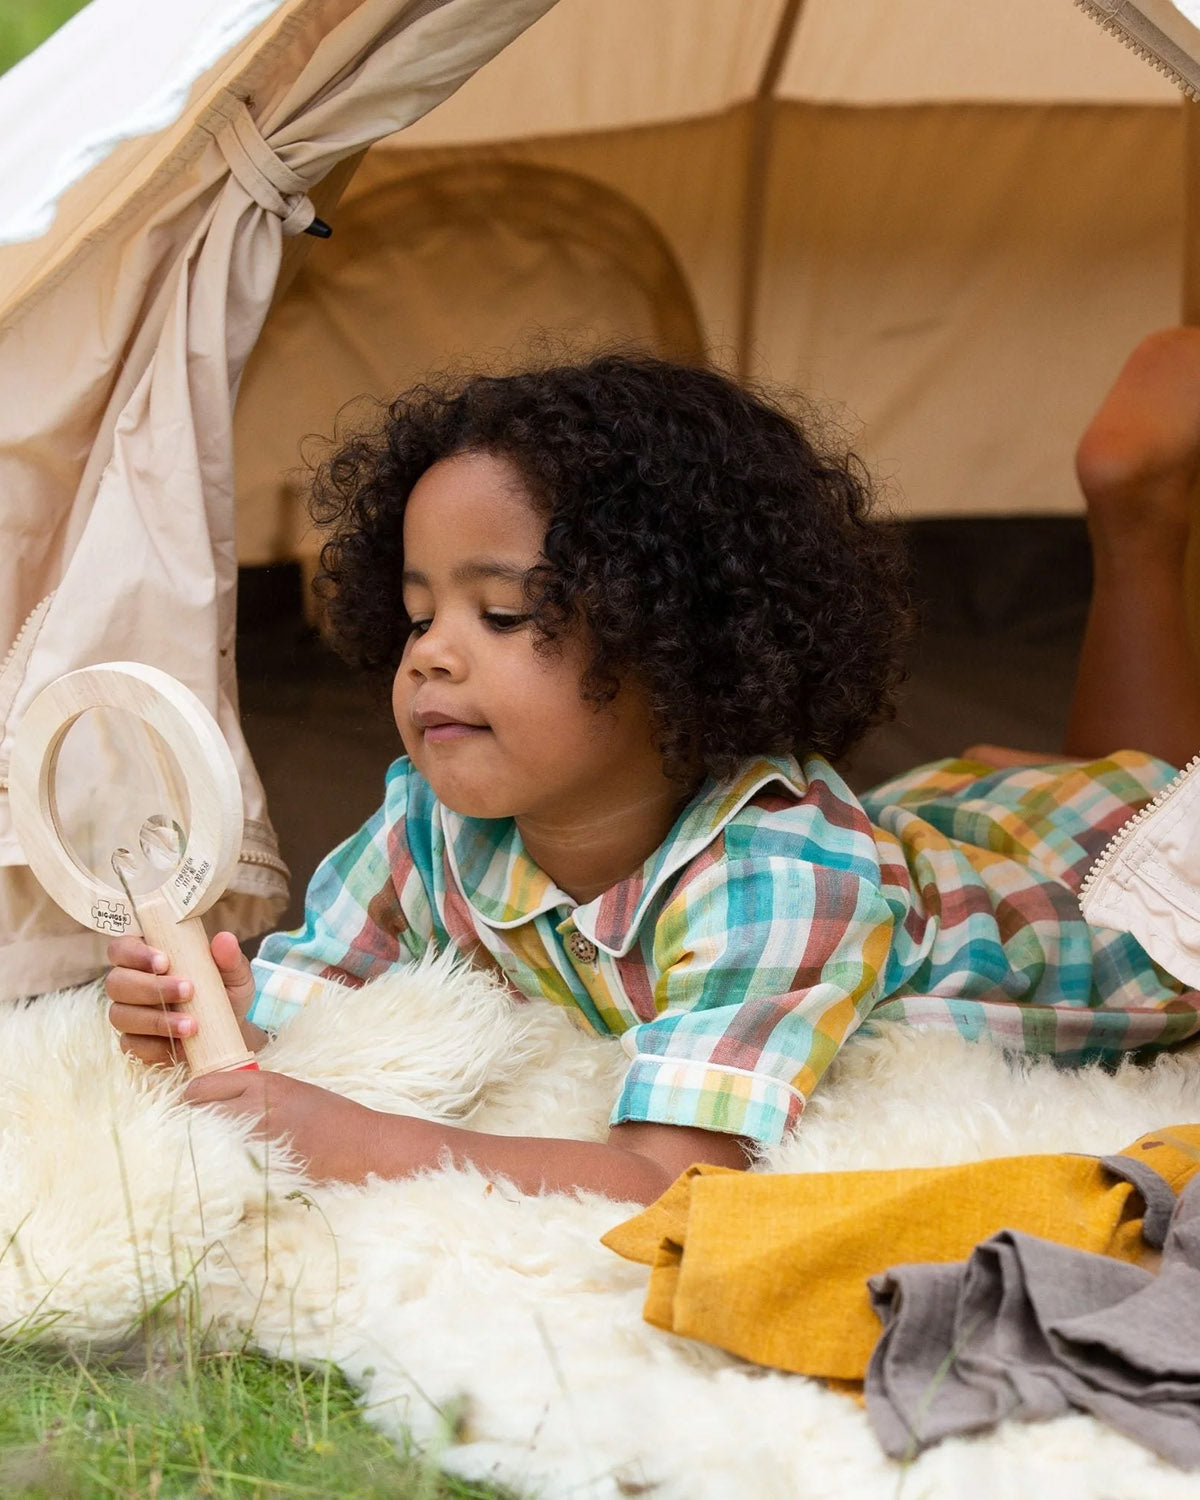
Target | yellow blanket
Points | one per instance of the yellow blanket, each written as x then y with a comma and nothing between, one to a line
774,1268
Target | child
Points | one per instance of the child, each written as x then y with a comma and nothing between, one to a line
630,610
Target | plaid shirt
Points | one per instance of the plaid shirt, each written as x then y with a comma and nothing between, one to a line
773,920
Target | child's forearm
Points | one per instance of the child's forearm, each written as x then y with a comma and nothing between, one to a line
344,1141
400,1146
636,1164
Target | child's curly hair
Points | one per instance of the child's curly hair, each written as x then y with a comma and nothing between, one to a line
709,548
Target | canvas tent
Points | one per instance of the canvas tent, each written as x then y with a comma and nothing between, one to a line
953,218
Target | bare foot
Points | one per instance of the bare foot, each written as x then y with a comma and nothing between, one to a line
1140,456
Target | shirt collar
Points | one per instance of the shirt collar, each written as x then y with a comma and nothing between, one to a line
505,888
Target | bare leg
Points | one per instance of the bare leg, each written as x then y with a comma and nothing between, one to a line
1137,685
1003,756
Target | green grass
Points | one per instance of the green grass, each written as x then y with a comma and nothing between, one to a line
226,1425
25,24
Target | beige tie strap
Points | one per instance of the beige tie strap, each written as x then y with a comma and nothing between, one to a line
269,181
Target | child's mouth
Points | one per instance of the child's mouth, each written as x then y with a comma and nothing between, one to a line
451,730
438,728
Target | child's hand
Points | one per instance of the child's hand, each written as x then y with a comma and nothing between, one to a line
141,993
333,1134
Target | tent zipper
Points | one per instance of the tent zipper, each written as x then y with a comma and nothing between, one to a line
38,609
1127,830
15,658
1117,23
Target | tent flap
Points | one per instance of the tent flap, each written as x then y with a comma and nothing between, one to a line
116,445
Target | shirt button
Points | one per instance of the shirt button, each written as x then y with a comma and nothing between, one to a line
582,948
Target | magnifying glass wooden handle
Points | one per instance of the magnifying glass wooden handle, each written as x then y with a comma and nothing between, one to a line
217,1045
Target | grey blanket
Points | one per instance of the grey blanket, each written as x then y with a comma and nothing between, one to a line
1029,1329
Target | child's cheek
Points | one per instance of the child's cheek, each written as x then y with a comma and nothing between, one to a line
402,712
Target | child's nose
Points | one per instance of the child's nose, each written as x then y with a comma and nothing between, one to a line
435,653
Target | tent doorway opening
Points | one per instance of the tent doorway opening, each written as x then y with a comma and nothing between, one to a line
471,266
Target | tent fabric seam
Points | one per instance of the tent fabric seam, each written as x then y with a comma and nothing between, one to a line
550,139
757,177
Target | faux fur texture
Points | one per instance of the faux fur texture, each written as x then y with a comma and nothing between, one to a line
448,1295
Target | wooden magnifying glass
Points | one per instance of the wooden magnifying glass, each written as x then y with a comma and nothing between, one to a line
179,872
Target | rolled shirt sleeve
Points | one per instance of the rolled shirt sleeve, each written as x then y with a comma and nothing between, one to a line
366,909
765,968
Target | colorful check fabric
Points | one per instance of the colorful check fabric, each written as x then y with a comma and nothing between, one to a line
780,913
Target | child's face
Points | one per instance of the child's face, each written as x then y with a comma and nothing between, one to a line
498,729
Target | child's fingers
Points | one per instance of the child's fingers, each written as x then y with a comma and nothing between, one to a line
136,953
132,987
220,1088
136,1021
235,971
153,1051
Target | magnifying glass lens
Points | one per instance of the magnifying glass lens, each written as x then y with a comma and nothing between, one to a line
117,786
162,841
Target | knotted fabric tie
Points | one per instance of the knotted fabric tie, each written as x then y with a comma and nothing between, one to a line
272,184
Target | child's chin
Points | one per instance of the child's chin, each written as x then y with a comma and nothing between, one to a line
471,802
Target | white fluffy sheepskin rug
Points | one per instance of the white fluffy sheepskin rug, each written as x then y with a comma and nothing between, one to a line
446,1294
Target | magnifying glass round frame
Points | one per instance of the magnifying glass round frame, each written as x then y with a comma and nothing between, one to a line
209,774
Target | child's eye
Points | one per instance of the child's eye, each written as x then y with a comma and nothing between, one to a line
418,627
505,622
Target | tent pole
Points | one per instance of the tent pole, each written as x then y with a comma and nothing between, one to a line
1191,316
758,162
1191,212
